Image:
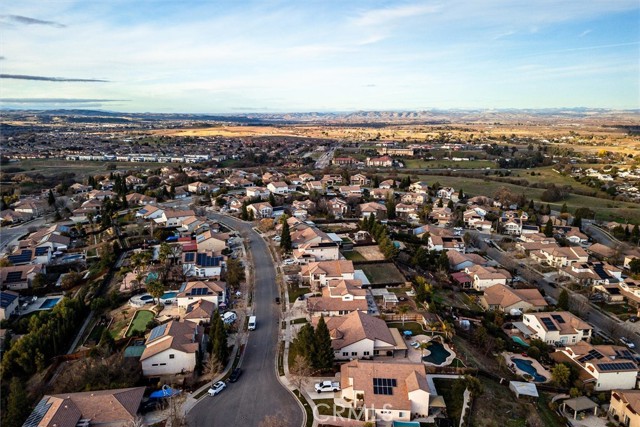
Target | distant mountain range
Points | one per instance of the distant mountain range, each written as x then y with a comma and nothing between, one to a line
433,116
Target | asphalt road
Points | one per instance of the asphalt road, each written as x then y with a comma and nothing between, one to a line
10,235
258,393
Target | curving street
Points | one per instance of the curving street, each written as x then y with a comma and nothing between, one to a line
258,393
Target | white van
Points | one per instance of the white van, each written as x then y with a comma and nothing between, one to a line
252,323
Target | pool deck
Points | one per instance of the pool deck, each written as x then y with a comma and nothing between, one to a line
35,306
415,354
541,370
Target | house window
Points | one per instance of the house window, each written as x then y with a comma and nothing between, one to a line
155,364
345,353
172,356
163,364
354,353
366,353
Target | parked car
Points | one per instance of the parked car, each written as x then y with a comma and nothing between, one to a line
627,342
633,319
216,388
235,375
327,386
277,300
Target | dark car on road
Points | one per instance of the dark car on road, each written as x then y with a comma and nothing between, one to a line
277,300
235,375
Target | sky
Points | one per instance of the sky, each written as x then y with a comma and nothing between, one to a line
301,56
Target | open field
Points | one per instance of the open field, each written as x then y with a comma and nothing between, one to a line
380,274
49,167
369,253
442,164
605,209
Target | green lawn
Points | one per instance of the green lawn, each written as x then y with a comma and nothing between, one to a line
140,321
353,256
295,291
381,273
414,327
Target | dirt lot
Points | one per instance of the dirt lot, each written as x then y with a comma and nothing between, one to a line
381,274
370,253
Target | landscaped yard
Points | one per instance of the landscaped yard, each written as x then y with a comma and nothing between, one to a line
353,256
381,274
295,291
140,321
414,327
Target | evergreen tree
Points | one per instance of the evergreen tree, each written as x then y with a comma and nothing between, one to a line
51,199
272,199
532,205
322,346
305,342
563,300
391,207
244,213
450,204
220,347
635,234
285,238
443,261
372,222
548,228
440,204
212,329
17,409
564,209
460,194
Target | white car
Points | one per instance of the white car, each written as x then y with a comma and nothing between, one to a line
626,342
216,388
288,261
277,238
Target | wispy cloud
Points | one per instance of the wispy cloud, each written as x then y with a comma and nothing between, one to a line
50,79
584,33
58,100
25,20
387,15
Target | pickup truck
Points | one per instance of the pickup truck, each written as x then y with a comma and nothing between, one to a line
327,386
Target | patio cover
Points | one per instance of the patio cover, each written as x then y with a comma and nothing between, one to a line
582,403
522,328
523,388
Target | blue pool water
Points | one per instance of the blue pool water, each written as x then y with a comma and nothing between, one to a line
169,295
438,354
146,297
519,340
406,424
49,303
527,366
151,276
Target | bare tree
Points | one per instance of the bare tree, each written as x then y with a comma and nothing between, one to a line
300,370
177,416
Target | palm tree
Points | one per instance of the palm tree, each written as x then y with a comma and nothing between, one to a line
423,346
433,326
403,309
448,329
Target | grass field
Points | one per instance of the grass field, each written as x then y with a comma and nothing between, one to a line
380,274
353,256
140,321
49,167
442,164
605,209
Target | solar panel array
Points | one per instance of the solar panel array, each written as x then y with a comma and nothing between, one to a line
558,318
199,291
593,354
157,332
616,366
38,413
624,354
41,251
24,257
6,299
205,260
548,323
189,257
13,276
384,386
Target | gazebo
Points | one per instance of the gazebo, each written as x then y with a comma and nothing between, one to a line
580,405
523,389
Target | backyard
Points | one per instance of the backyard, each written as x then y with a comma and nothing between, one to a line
382,274
140,321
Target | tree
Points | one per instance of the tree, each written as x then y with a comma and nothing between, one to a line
323,351
460,194
220,346
391,207
305,342
533,352
17,409
234,273
300,370
634,266
155,289
563,300
561,374
285,238
564,208
244,213
51,199
548,228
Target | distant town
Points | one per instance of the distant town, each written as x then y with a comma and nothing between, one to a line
365,269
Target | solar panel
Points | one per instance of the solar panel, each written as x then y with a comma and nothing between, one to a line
616,366
41,251
14,276
189,257
558,318
384,386
593,354
157,332
6,299
38,413
624,354
23,257
548,323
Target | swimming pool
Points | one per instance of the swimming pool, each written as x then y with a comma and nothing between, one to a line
72,257
527,366
168,295
406,424
49,303
519,340
438,354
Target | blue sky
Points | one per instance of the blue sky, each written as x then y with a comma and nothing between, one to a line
277,56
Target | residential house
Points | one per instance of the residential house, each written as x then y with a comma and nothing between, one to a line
350,191
150,212
78,188
419,187
339,297
279,187
202,264
343,161
259,192
358,335
261,210
608,366
601,251
560,256
109,408
337,207
18,277
137,199
101,194
330,180
212,242
446,193
557,327
359,179
446,243
444,216
503,298
317,186
372,208
381,193
200,312
386,391
173,218
198,187
194,224
408,212
195,290
388,184
172,348
459,261
31,207
8,303
318,274
625,407
592,273
384,161
306,177
485,277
